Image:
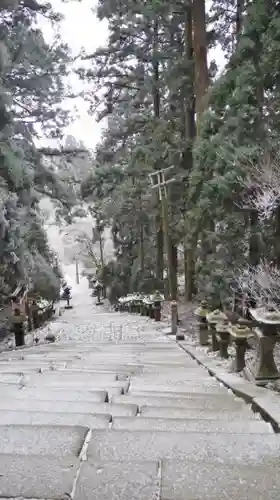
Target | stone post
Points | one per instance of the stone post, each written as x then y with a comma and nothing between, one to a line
174,321
265,367
35,314
203,331
213,318
173,310
214,340
240,335
18,327
223,339
157,311
157,299
200,314
143,309
266,335
240,351
147,309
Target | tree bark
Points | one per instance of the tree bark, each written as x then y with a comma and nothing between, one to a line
201,84
239,20
156,107
254,243
200,56
276,246
174,271
189,130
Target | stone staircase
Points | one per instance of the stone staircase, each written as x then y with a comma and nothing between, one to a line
117,418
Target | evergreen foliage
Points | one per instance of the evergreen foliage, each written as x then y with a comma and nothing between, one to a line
148,82
31,92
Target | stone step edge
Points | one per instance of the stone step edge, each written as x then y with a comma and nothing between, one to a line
259,397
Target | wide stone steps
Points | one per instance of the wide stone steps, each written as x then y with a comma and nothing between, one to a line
135,420
124,446
234,426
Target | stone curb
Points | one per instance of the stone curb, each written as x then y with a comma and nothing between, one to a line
263,401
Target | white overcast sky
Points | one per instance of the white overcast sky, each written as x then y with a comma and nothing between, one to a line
81,29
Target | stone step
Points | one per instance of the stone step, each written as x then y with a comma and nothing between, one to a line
13,417
119,445
124,377
41,440
97,357
136,367
120,481
116,390
172,362
181,480
200,413
58,395
29,367
49,477
72,377
173,396
11,378
134,345
37,405
112,389
238,426
46,368
220,403
188,480
166,370
123,367
21,365
169,355
194,379
88,360
186,388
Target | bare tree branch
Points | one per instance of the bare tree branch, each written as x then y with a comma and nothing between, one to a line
262,186
261,283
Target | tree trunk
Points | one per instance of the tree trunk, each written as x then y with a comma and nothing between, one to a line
159,245
200,57
156,107
189,130
239,20
174,271
201,84
190,272
254,243
277,237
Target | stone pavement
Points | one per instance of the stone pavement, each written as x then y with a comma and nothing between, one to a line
115,410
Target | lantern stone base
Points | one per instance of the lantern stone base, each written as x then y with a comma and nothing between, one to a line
214,340
223,340
203,331
264,367
203,335
240,344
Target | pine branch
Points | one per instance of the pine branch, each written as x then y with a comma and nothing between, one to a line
34,6
61,152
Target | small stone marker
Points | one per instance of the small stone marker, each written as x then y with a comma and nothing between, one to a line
50,337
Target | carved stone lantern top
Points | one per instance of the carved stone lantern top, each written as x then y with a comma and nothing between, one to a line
222,327
216,316
265,316
240,331
157,297
202,310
